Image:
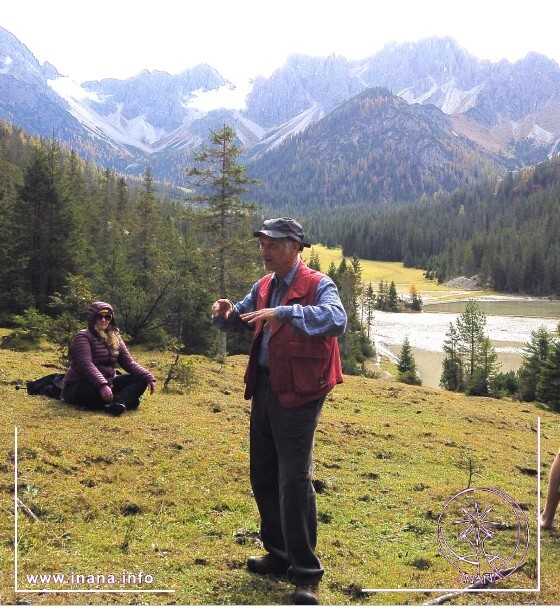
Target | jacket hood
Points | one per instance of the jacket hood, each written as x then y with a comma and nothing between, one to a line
94,309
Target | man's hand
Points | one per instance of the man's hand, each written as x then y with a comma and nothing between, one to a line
268,315
222,307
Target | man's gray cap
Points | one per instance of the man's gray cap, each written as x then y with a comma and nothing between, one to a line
282,227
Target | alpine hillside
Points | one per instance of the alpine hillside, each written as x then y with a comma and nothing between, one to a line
375,148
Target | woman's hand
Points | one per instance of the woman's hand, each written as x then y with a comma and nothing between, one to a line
106,394
152,387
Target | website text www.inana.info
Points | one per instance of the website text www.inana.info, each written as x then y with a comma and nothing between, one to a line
77,579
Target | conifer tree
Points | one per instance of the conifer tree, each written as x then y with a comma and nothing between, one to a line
382,295
147,228
536,353
314,262
392,297
548,384
349,285
470,326
471,361
355,344
45,223
368,306
479,383
332,272
406,365
84,247
452,374
220,181
12,263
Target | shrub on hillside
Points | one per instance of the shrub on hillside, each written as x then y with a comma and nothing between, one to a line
30,331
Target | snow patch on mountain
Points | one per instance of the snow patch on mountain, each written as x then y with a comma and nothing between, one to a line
248,131
457,101
73,94
540,135
7,63
138,128
70,89
408,93
226,97
179,139
448,97
293,126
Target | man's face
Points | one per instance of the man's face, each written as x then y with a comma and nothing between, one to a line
278,254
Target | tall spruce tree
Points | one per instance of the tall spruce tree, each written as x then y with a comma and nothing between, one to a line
536,353
12,263
548,384
368,307
487,367
220,181
382,296
452,377
314,262
406,365
355,344
45,221
470,326
392,297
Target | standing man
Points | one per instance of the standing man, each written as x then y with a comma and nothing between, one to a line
296,315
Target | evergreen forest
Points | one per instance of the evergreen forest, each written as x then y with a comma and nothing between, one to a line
506,231
71,233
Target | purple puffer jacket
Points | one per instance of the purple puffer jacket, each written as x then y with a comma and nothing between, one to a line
92,360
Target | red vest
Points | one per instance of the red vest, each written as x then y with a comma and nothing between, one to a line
302,368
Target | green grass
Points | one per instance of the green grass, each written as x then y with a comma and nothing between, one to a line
374,271
165,489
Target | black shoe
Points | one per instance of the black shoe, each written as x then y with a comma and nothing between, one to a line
114,407
267,564
307,595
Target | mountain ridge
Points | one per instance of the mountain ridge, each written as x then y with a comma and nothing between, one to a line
159,119
375,148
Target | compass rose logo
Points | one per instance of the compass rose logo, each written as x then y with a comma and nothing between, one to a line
484,534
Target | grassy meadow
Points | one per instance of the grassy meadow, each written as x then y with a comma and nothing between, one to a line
164,490
374,271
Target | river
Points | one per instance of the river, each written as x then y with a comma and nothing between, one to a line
509,323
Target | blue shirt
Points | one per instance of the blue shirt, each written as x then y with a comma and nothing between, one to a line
326,317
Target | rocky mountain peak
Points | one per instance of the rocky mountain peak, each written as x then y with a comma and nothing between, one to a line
156,113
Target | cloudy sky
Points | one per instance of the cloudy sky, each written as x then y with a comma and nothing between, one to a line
241,39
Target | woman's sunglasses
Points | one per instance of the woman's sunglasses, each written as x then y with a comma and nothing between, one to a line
104,317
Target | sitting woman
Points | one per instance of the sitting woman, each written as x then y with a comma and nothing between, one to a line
91,379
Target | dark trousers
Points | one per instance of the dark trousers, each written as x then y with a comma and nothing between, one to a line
127,389
281,448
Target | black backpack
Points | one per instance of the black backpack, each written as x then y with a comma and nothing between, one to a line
50,385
